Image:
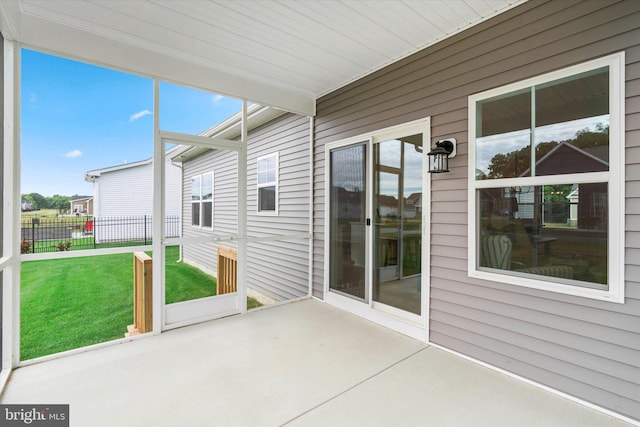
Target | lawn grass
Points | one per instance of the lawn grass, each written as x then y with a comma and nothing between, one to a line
185,282
75,302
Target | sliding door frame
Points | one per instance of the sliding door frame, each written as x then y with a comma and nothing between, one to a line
396,319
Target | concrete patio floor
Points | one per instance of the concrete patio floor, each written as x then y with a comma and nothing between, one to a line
299,364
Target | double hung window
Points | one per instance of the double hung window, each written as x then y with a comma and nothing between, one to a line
546,194
202,200
268,184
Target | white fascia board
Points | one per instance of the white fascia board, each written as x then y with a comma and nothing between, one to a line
48,36
231,128
90,176
9,18
228,130
225,129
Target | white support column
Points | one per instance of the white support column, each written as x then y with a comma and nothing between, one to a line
11,208
242,213
158,215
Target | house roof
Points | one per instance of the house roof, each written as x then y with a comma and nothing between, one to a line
414,197
80,198
92,175
591,159
283,54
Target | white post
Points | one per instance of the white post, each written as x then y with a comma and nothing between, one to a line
11,208
158,215
242,213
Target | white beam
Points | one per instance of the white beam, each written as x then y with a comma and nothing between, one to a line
85,46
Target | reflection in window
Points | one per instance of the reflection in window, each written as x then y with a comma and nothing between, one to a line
551,230
543,180
347,220
571,132
503,144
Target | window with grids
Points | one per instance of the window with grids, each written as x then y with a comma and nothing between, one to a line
268,184
202,200
546,195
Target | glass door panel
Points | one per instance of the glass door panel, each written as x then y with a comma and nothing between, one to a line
347,221
397,203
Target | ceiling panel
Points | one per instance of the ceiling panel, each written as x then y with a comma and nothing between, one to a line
297,49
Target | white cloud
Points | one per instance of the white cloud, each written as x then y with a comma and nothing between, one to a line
73,154
217,98
139,115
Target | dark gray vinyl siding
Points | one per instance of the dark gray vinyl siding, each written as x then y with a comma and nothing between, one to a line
278,269
586,348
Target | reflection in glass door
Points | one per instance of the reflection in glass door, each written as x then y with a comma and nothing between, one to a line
397,204
347,273
375,223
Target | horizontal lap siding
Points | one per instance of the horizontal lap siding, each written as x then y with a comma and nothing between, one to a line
125,192
278,269
586,348
129,191
223,164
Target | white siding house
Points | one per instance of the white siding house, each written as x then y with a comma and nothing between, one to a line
123,200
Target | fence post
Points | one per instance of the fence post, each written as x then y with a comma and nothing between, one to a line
33,235
142,295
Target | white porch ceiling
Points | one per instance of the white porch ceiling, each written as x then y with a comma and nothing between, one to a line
284,53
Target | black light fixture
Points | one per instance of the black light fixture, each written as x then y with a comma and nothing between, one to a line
439,156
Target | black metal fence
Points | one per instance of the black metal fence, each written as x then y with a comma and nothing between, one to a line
40,235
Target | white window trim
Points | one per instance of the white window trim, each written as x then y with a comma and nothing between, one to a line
275,183
201,202
615,178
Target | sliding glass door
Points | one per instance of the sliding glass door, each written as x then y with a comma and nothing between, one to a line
375,218
348,220
397,203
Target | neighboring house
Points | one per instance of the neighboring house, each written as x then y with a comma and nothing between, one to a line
26,205
413,205
278,200
81,205
123,199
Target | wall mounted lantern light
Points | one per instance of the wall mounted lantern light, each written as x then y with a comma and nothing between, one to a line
439,156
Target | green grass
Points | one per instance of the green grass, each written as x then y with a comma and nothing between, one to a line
185,282
75,302
41,213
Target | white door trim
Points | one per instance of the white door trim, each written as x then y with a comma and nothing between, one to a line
414,326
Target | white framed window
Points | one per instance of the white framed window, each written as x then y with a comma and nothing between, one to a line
202,200
267,170
546,181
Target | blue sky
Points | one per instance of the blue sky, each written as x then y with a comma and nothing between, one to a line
76,117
